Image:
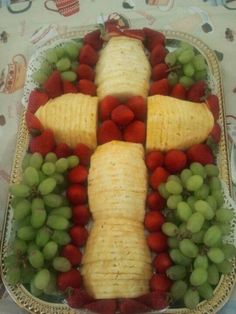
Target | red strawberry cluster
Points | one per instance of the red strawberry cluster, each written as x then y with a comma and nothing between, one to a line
122,121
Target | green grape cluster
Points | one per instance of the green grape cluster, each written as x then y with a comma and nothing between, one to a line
63,59
187,66
197,221
41,218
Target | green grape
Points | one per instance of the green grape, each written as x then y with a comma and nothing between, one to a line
186,81
43,236
42,176
23,222
50,250
31,247
179,50
39,77
36,161
36,259
63,64
194,183
64,211
199,62
173,201
61,264
26,160
38,217
51,56
162,190
191,299
213,275
224,215
41,279
46,67
198,169
37,203
61,165
27,274
201,261
225,228
19,247
195,222
178,289
60,52
52,285
26,233
198,276
58,177
225,267
47,186
71,50
214,183
212,202
176,272
11,261
179,258
20,190
73,161
218,197
51,157
186,56
34,291
212,170
15,200
170,58
205,209
185,175
172,78
184,211
185,45
53,200
61,237
229,250
188,69
22,209
212,235
174,187
57,222
175,178
202,193
13,275
188,248
69,76
191,200
205,291
173,242
200,75
48,168
169,229
216,255
198,236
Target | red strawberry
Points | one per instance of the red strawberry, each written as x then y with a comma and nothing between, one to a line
36,99
87,87
160,282
154,159
53,85
157,242
162,262
108,131
78,235
179,91
131,306
153,38
43,143
80,214
212,102
216,133
33,124
72,253
84,71
135,132
88,55
135,33
138,105
158,54
200,153
158,176
84,153
94,39
102,306
153,221
175,160
155,201
156,300
122,115
159,71
78,174
62,150
76,194
107,105
197,91
160,87
78,297
69,279
68,87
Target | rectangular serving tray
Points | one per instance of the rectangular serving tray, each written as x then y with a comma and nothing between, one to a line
19,293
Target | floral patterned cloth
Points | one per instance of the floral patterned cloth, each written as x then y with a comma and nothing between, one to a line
27,24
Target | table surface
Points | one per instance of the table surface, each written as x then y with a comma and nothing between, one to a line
27,25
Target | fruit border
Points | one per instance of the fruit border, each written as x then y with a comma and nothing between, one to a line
222,292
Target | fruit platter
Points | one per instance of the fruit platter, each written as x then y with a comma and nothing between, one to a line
119,199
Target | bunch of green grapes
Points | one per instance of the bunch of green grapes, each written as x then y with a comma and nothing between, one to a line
197,221
187,66
63,58
41,219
